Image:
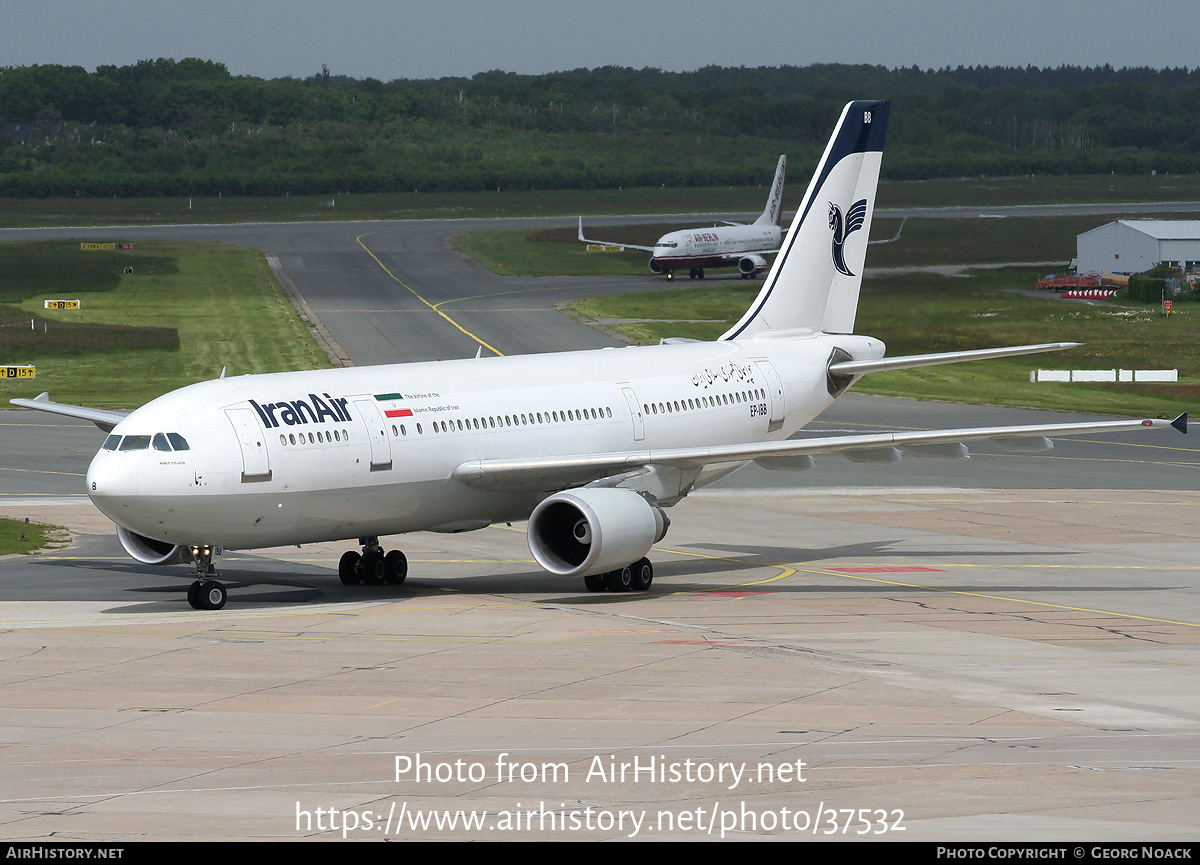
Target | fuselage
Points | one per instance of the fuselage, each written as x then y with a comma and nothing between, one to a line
719,246
290,458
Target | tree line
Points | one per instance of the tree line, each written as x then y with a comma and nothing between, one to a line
167,127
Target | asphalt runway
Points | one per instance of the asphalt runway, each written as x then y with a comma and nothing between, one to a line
998,649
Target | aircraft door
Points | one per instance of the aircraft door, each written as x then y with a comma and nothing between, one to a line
381,445
775,395
635,411
256,464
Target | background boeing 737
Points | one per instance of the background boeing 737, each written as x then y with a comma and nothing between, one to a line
745,246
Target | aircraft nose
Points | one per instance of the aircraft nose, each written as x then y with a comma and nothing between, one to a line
111,481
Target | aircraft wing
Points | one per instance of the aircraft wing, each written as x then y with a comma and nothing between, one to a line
583,239
102,418
551,473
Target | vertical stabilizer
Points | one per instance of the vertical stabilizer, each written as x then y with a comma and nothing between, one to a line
773,212
813,284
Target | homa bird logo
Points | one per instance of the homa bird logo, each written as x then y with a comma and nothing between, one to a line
855,217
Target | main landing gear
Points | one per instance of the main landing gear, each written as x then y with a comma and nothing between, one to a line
206,593
372,566
634,578
696,273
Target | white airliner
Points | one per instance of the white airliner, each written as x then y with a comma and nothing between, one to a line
590,447
719,246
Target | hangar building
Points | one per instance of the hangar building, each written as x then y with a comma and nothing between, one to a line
1135,245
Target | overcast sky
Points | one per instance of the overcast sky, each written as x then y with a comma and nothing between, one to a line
390,39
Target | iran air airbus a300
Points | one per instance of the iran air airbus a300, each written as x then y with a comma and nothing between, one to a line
719,246
590,447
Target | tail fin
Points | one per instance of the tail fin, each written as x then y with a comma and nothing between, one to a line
774,210
813,284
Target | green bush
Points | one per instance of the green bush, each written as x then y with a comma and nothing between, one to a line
1147,289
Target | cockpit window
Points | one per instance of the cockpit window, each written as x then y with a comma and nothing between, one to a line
135,443
110,443
178,442
160,442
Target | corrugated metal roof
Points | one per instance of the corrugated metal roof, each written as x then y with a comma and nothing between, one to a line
1166,229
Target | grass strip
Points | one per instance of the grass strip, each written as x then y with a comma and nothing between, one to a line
948,192
184,312
17,536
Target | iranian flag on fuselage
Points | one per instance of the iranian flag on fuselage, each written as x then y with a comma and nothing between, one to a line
393,398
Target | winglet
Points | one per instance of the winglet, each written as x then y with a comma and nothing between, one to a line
1180,423
582,239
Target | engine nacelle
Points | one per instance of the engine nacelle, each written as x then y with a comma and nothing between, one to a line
748,265
151,552
592,531
656,268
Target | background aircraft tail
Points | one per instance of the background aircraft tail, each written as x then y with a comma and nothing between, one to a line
814,282
773,212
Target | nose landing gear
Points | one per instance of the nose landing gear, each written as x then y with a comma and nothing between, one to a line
206,593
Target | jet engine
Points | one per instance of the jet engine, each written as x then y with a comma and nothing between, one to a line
151,552
655,267
592,531
748,265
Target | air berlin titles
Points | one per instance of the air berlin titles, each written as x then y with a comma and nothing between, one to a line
315,410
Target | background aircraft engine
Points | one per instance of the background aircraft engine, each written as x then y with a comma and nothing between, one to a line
593,531
655,267
748,265
151,552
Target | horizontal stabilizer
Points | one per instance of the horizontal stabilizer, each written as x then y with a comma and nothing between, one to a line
862,367
102,418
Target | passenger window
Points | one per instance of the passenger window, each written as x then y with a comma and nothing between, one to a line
177,441
110,443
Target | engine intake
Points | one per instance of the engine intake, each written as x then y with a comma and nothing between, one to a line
151,552
748,265
592,531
